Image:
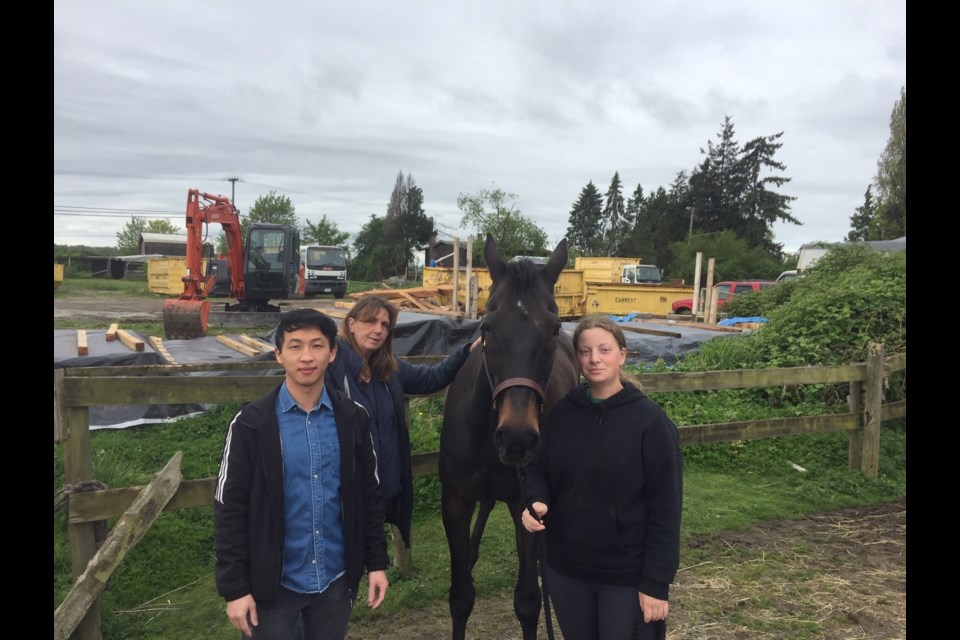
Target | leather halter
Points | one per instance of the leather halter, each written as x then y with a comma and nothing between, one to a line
511,382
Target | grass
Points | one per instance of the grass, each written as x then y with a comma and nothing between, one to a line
165,589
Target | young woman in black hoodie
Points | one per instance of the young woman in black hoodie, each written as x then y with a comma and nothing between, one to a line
607,485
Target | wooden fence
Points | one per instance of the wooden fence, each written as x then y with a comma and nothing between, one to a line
76,390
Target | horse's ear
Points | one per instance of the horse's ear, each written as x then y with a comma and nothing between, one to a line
492,257
557,262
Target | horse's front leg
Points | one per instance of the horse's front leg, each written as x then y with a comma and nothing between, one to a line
526,595
457,514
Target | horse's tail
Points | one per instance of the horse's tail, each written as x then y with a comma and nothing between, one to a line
486,506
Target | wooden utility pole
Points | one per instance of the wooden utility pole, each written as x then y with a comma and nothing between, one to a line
456,275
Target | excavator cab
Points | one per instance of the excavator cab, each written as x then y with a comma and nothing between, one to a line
271,263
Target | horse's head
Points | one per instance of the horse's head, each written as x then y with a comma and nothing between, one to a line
520,330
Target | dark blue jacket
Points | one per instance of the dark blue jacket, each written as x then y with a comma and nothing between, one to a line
411,379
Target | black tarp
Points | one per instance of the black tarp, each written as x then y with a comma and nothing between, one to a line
416,334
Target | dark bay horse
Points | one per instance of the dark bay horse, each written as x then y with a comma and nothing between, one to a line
491,422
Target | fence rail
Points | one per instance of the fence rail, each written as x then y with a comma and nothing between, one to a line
76,390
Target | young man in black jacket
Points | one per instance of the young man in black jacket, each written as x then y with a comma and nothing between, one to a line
298,514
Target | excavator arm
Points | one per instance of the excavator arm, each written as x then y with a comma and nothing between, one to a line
186,317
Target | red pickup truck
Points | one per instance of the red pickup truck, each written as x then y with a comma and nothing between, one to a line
727,290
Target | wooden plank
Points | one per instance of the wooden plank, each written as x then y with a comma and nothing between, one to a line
334,313
238,346
412,300
774,427
176,389
653,332
257,343
167,369
749,378
124,536
93,506
87,392
342,304
157,345
82,348
130,340
112,332
704,325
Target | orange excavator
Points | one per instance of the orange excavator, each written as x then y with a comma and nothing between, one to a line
266,267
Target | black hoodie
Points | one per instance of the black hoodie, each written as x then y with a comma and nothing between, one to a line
611,473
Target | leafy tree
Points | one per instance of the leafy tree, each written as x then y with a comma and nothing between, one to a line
324,232
271,208
369,252
861,220
891,178
618,221
585,232
406,225
495,211
734,258
859,295
128,240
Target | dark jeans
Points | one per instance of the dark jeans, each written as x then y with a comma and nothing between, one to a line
592,611
323,616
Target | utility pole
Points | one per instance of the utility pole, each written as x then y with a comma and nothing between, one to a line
689,233
233,188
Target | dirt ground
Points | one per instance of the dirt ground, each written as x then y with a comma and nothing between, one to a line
840,574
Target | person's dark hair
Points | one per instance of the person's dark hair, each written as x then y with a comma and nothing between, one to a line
381,364
608,325
306,319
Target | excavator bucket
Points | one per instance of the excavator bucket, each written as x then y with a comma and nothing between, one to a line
185,319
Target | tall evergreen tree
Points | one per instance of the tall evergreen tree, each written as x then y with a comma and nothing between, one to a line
617,222
891,178
862,219
585,232
717,184
760,205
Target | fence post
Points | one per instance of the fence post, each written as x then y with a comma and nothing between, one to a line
855,402
77,468
873,402
456,275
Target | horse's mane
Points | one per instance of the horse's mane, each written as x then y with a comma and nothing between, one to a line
525,281
523,275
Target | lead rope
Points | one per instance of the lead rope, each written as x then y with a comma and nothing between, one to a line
541,554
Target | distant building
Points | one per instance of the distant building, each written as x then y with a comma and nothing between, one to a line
439,253
169,245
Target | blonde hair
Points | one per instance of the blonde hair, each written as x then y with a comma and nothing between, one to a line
604,322
380,364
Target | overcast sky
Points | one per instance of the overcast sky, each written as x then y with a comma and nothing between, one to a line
325,102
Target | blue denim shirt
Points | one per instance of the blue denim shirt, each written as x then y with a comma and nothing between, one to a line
313,548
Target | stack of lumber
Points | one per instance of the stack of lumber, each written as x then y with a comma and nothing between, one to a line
420,299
